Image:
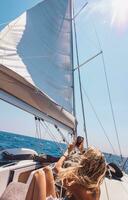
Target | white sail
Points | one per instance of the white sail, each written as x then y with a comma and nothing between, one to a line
36,49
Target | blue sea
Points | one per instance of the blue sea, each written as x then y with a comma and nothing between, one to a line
11,140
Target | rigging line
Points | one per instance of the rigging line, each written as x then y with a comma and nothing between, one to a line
99,120
39,129
48,130
123,166
112,110
45,128
109,95
36,133
51,135
57,142
62,135
80,10
98,40
93,43
79,77
90,59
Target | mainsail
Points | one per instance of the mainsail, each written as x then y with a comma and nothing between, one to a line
36,60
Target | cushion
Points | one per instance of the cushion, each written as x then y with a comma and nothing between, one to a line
15,191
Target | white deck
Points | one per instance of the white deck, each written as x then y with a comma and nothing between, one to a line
115,190
21,166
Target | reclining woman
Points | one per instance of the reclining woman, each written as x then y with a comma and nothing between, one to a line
82,182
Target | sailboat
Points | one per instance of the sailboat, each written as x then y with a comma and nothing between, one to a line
37,76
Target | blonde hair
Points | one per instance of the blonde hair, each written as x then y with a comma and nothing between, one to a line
89,173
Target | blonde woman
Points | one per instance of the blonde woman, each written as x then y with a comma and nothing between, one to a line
83,180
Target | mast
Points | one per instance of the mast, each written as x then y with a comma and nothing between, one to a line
73,81
79,77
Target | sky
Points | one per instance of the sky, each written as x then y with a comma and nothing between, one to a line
104,22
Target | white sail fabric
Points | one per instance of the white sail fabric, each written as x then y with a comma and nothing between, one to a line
36,61
37,46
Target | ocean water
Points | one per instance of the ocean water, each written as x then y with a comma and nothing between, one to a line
9,140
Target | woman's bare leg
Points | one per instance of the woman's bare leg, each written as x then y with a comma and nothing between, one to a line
50,184
37,188
40,186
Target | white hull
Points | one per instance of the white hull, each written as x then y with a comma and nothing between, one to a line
18,171
13,172
114,189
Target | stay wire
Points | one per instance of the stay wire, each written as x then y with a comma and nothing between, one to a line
109,95
45,128
48,130
38,130
98,119
80,10
51,135
111,105
61,134
36,124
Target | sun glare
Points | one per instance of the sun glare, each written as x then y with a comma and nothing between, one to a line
113,11
120,12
